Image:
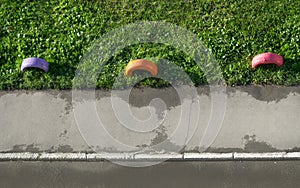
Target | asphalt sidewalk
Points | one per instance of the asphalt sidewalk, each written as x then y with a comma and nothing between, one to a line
227,174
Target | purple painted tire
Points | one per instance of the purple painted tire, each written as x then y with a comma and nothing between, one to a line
34,62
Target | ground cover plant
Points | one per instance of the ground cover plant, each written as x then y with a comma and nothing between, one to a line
61,31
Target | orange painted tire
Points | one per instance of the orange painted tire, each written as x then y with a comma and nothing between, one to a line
141,64
267,58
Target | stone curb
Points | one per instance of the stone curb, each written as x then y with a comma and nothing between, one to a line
149,156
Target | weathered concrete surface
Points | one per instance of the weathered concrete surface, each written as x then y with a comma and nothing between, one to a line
264,174
257,119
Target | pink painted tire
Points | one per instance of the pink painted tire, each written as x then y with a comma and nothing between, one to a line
267,58
34,62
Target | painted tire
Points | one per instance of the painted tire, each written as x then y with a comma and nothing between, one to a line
34,62
141,64
267,58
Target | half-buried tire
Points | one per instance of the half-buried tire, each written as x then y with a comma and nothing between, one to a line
141,64
34,62
267,58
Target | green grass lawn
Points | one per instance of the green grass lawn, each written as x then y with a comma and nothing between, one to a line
61,31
